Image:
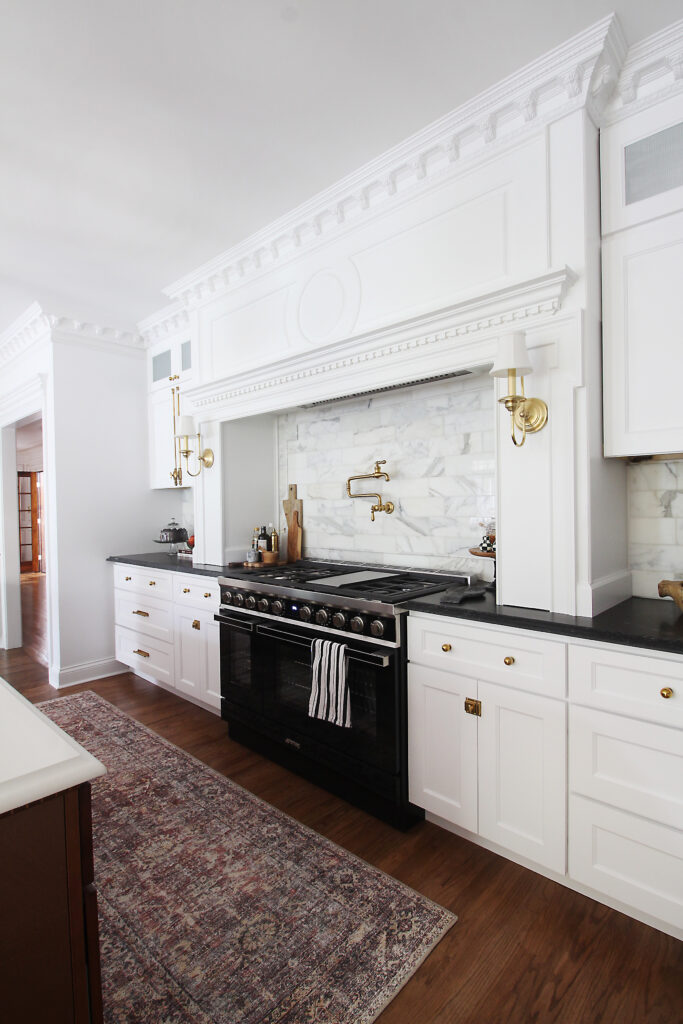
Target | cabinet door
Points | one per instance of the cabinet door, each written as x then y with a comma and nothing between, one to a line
160,439
442,745
522,773
197,656
643,339
212,651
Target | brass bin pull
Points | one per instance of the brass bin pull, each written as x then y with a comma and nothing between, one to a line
666,692
195,624
445,647
143,654
186,590
138,611
509,660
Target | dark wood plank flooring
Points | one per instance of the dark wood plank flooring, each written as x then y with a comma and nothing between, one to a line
525,949
34,615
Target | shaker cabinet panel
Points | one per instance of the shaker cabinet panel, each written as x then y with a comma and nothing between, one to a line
442,754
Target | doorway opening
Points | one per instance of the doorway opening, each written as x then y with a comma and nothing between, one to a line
31,526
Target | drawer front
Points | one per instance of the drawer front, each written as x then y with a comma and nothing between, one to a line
139,580
629,684
625,857
500,656
144,614
196,591
145,654
636,766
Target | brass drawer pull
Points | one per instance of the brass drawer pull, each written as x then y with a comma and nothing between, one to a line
195,624
208,594
509,660
666,692
152,583
128,578
445,648
143,654
145,615
186,590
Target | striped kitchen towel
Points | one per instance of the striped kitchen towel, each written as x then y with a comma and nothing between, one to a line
329,690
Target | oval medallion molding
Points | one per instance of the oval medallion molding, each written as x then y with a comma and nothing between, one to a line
325,307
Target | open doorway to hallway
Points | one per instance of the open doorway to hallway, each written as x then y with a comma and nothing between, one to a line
31,525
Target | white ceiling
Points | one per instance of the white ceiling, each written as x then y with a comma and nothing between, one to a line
140,138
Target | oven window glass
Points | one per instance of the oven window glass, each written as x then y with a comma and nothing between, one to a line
238,682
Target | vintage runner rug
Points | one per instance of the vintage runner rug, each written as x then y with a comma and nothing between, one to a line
216,908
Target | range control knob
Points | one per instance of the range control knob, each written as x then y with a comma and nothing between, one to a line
339,620
226,598
238,600
377,627
277,607
263,604
357,624
305,613
250,601
322,616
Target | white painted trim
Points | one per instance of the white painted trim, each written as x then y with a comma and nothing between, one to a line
85,672
172,319
32,326
569,883
653,70
580,73
596,597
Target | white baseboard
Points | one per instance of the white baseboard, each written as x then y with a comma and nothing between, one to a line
84,673
603,593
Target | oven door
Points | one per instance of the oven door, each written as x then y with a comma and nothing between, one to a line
283,667
239,682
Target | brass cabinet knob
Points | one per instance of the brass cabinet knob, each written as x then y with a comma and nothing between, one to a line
186,590
666,692
509,660
207,594
195,624
152,583
128,578
445,647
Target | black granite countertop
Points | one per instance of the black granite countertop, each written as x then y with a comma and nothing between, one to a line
655,624
639,622
162,560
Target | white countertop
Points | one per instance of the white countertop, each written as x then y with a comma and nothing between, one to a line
37,758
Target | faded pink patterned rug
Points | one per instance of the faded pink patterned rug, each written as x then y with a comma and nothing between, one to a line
216,908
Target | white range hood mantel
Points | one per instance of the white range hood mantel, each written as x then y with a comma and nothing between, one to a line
460,337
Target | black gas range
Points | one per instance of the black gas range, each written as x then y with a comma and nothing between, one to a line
269,617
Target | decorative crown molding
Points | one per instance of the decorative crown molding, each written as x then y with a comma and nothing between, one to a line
581,72
94,332
472,323
28,328
653,69
167,321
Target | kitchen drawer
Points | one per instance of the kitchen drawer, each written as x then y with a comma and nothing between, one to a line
630,684
145,654
498,655
143,581
628,858
196,591
636,766
144,614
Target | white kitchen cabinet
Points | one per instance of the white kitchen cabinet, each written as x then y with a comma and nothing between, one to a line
626,778
165,630
642,270
173,357
501,774
161,452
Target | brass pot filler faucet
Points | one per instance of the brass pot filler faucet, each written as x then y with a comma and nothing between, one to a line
381,506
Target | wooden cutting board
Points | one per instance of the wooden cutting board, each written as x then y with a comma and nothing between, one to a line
294,510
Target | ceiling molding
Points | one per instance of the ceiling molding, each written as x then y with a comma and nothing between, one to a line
89,332
393,350
580,73
653,69
167,321
30,327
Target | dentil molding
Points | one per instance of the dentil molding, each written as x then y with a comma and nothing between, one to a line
167,321
652,71
580,73
471,323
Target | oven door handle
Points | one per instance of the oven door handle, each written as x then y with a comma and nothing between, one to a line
234,623
381,660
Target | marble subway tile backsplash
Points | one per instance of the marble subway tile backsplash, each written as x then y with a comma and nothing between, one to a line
655,494
438,442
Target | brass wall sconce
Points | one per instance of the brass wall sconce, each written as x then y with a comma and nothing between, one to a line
379,506
512,361
184,437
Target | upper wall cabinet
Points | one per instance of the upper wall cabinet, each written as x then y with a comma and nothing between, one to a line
642,270
169,358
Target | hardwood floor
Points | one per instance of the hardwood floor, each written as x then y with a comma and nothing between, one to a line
34,615
525,949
